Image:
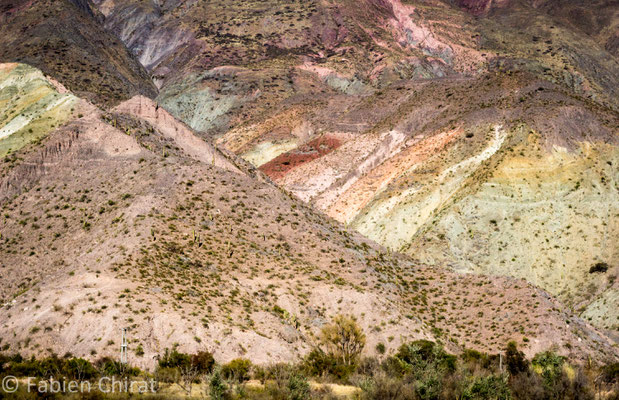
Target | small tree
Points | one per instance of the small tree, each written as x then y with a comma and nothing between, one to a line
237,369
549,365
203,361
515,360
217,387
343,338
107,366
184,368
174,359
199,364
298,387
51,366
80,369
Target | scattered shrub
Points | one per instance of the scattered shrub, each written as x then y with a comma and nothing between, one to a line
298,387
174,359
319,363
488,387
598,267
237,370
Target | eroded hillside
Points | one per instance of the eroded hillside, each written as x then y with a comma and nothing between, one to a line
523,185
113,219
478,135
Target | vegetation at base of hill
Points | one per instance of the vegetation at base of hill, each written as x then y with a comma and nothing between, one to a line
420,370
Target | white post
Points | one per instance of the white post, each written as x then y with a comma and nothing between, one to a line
123,347
501,362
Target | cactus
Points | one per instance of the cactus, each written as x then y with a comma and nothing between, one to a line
197,238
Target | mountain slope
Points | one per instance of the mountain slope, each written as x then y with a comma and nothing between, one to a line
30,106
480,192
114,220
64,39
476,134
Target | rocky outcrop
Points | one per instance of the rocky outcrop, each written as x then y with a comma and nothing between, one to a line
195,147
480,7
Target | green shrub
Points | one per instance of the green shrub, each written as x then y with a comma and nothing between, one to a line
469,355
610,373
473,359
237,370
343,338
280,373
429,386
203,361
492,387
425,352
319,363
52,366
4,363
21,367
527,386
298,387
66,367
109,367
382,387
549,365
217,387
425,363
174,359
167,374
80,369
